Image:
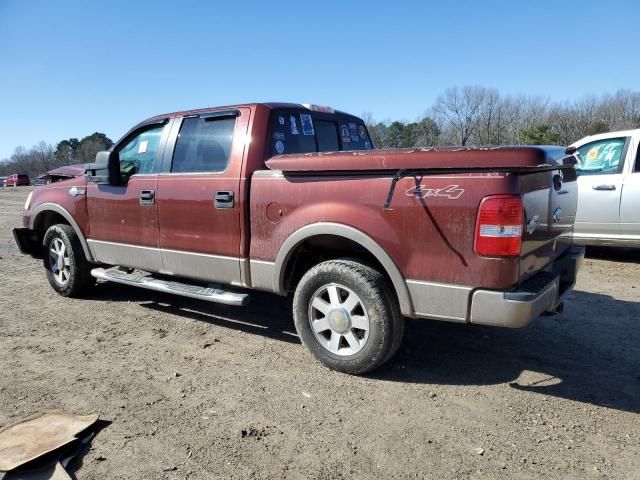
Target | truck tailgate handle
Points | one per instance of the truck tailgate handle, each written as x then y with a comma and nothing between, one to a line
223,199
604,187
147,197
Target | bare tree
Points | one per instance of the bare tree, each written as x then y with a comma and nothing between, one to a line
496,117
42,155
459,109
86,151
21,160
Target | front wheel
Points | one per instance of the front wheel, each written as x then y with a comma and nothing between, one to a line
347,316
68,270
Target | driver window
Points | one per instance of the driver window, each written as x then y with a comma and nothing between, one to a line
140,152
601,157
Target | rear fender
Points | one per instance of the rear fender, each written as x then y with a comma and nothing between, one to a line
340,230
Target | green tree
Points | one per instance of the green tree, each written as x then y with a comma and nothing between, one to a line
425,133
65,152
395,135
539,134
90,145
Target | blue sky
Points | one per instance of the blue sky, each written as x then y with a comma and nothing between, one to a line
69,68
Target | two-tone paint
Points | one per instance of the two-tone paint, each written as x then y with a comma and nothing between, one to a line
419,227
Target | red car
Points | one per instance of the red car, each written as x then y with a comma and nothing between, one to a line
17,180
293,199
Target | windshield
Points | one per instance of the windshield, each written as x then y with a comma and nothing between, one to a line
305,131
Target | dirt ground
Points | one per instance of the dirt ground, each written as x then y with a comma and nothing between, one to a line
198,391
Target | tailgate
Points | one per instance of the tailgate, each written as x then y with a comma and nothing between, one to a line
550,200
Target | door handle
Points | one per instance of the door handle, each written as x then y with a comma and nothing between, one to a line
604,187
147,197
223,199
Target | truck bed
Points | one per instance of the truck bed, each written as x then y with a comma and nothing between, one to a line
420,206
445,159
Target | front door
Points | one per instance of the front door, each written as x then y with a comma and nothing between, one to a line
630,202
600,179
199,199
124,219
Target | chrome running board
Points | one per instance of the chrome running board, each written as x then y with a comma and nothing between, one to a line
210,293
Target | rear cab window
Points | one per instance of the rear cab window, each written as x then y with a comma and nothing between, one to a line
300,130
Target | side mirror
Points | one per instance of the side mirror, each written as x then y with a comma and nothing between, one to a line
114,168
106,169
97,172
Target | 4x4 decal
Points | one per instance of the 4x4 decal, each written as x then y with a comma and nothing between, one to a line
450,191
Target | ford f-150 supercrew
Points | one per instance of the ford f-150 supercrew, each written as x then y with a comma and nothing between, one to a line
293,199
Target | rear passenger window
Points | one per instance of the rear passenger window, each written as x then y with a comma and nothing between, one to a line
203,145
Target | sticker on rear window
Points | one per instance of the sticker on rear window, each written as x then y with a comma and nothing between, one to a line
353,131
294,126
344,133
278,136
307,124
142,148
281,120
279,147
363,132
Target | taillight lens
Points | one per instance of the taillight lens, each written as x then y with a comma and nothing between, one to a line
499,226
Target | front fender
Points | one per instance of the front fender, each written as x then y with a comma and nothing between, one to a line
54,207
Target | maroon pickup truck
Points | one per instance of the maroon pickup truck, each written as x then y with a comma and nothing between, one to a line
293,199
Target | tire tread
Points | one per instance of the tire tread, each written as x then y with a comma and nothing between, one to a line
372,281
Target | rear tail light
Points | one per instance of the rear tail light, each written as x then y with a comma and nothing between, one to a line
499,226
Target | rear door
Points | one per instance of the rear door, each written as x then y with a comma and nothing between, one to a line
124,219
630,202
199,199
600,178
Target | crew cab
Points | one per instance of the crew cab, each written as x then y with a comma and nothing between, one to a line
608,189
293,199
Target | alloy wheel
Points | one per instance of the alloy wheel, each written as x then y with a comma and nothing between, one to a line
59,261
338,319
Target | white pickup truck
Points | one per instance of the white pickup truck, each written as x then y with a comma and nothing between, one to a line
609,189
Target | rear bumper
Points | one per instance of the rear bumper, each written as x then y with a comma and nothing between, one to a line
27,242
541,293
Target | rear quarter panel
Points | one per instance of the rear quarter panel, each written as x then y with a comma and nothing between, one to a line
427,231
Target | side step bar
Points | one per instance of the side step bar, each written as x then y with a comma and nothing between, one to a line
210,293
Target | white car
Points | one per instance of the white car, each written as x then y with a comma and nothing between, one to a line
608,189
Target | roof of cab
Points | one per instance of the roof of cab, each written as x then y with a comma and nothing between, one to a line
269,105
606,135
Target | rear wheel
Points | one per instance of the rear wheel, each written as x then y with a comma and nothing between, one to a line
347,316
68,270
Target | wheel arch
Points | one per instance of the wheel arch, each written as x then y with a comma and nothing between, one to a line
39,214
286,255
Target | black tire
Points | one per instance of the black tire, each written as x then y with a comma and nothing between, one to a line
78,274
377,301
